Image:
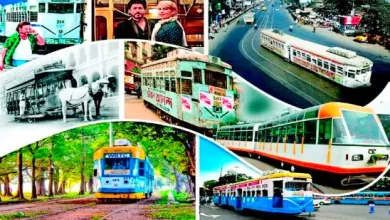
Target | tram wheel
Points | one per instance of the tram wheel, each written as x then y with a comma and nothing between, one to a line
258,157
292,169
249,154
146,104
282,164
31,120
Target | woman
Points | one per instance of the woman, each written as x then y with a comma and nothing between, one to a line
168,29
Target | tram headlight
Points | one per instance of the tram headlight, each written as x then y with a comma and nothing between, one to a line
357,157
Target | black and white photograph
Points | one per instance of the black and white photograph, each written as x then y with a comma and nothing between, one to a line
61,90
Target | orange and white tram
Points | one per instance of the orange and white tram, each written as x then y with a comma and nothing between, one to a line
342,66
340,139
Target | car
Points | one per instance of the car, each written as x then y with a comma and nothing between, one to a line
322,200
316,204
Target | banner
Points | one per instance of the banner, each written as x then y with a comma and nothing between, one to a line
117,172
227,104
205,99
186,103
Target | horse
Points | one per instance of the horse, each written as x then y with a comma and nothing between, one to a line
82,95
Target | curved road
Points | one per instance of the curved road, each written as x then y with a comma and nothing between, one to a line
240,47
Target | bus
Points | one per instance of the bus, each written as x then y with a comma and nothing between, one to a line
122,172
131,79
339,65
276,191
343,140
189,87
249,18
60,22
363,198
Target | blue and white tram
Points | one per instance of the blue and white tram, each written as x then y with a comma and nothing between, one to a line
60,22
122,172
277,192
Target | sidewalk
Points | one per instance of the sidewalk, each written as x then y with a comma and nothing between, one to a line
220,36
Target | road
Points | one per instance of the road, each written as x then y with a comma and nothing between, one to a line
135,109
18,134
240,47
81,209
339,212
319,187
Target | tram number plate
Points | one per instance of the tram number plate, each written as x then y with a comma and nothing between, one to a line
217,101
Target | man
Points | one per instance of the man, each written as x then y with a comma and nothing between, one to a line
18,48
137,27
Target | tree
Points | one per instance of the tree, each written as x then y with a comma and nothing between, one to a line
160,51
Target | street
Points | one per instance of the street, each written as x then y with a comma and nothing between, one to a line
135,109
18,134
341,212
275,76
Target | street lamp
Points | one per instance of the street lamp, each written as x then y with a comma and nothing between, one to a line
236,172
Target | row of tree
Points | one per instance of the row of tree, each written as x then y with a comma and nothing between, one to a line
66,158
223,180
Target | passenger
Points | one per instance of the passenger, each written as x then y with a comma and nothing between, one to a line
118,166
22,103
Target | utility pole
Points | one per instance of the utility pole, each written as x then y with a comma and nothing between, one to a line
111,139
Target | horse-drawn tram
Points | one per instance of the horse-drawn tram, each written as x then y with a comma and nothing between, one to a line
344,141
35,94
276,192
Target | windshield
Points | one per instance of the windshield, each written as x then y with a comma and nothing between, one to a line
298,186
117,164
364,128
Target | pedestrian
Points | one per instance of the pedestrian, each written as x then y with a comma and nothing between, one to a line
22,103
138,90
18,48
97,99
371,205
226,27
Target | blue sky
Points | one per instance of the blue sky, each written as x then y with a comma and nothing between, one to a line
213,158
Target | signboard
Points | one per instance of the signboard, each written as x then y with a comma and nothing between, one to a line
217,91
227,104
205,99
126,155
300,193
186,103
162,101
117,172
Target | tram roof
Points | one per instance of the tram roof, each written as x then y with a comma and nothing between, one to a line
354,60
187,55
327,110
136,152
270,176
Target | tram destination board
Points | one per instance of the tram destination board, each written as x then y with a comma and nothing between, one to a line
127,155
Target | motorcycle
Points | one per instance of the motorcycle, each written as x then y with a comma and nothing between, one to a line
255,26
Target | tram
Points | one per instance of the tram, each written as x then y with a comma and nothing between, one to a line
40,90
344,140
60,22
131,79
188,87
276,192
363,198
122,172
339,65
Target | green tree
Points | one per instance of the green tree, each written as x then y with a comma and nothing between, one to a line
160,51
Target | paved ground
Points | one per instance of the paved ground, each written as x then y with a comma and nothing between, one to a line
339,212
135,109
18,134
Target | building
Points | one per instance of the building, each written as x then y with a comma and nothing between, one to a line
137,54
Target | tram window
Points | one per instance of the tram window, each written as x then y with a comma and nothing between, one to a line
166,84
319,63
197,75
186,74
294,52
154,83
312,113
303,55
249,135
282,135
94,172
60,8
351,73
186,86
265,193
332,67
291,130
79,8
258,192
314,61
357,72
215,79
299,53
42,8
310,133
339,131
324,131
173,85
326,65
308,58
162,83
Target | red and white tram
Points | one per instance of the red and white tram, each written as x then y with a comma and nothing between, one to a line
337,64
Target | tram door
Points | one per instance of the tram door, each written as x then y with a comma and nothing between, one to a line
219,199
239,199
277,200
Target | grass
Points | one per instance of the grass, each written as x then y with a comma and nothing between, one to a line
27,196
163,210
21,215
176,212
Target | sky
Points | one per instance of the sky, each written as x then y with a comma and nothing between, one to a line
213,157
